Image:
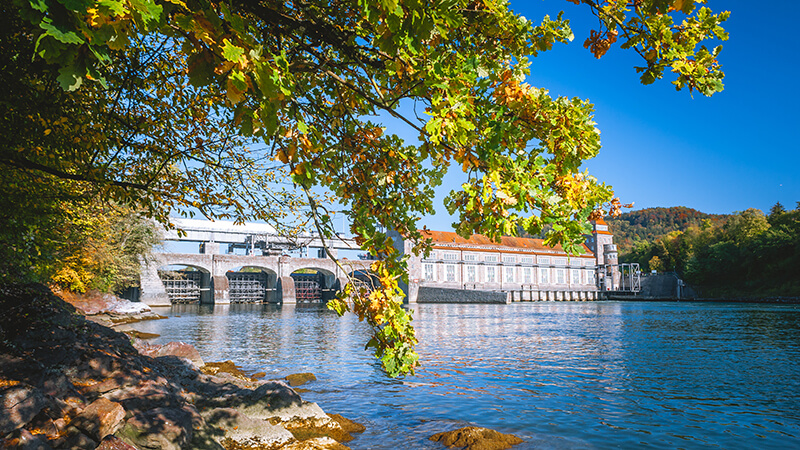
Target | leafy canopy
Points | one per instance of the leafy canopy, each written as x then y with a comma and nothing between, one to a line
304,77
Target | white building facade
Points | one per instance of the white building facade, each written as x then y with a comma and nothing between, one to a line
525,268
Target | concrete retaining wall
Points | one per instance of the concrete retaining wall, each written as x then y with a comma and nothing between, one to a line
444,295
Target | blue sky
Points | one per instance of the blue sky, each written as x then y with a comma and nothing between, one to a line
736,150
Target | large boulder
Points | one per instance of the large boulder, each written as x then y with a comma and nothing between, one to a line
148,394
161,428
245,431
94,302
101,418
275,399
179,349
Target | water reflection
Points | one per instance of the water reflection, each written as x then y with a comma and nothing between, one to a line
561,375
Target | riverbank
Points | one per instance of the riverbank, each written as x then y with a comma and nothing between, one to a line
68,382
760,300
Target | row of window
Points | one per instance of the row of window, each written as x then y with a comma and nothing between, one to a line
511,259
493,274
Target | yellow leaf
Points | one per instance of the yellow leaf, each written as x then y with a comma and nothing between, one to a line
234,94
178,2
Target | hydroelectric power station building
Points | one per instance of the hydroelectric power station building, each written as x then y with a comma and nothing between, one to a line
476,269
251,263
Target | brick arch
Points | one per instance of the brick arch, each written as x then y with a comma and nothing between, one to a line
225,263
205,281
153,291
327,287
269,270
202,262
244,287
196,266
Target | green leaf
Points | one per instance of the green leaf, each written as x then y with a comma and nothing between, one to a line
231,52
60,33
39,5
201,70
115,6
70,78
149,11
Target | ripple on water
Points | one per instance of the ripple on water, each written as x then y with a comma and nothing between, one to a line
560,375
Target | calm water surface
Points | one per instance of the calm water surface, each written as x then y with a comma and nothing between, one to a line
559,375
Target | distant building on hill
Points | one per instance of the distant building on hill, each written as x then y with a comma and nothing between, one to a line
524,268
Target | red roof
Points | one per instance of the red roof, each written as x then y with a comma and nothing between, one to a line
600,221
450,239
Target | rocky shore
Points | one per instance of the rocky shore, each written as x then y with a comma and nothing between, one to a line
71,383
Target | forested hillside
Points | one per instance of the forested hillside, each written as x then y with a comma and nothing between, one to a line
745,254
650,224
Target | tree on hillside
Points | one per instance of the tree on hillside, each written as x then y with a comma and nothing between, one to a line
304,79
652,224
746,226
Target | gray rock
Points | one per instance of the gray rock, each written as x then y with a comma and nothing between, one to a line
147,395
178,349
161,428
59,386
178,369
19,404
275,394
305,410
248,432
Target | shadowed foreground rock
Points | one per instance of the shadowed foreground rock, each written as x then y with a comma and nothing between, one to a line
475,438
70,383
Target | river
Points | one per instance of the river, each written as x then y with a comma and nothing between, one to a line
557,374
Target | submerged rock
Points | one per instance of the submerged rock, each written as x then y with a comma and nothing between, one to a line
299,379
229,367
136,334
347,424
315,427
476,438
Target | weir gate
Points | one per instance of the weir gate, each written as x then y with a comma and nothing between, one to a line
264,274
